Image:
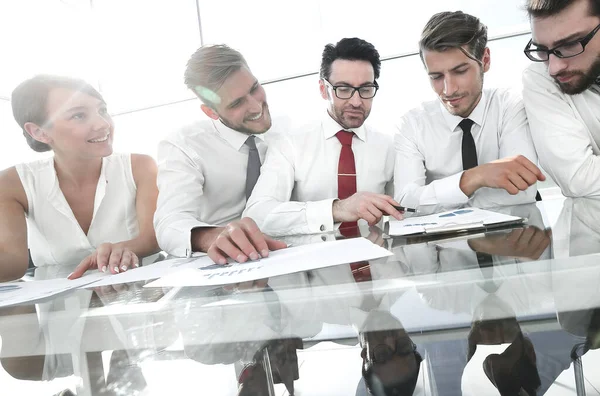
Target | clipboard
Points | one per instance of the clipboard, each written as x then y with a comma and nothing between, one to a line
452,222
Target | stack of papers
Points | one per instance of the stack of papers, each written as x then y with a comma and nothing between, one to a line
451,221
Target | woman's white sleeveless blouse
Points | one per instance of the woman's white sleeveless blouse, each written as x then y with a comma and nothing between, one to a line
54,235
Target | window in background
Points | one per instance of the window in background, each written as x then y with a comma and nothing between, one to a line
140,131
14,148
55,39
142,48
279,42
136,52
277,38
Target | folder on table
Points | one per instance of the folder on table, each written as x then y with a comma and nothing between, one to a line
452,221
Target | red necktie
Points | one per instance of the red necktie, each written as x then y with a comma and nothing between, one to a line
346,188
346,171
361,270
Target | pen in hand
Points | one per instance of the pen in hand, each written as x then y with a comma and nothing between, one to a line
403,209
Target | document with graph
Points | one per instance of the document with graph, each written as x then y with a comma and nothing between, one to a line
452,221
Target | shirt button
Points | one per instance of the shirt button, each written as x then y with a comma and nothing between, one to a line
322,227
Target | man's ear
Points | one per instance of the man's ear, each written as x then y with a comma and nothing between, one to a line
209,111
323,89
486,60
36,132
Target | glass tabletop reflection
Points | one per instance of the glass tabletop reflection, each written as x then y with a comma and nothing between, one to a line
507,311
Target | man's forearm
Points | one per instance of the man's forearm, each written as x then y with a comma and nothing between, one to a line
202,238
469,182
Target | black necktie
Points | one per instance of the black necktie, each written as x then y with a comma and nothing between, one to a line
253,170
469,151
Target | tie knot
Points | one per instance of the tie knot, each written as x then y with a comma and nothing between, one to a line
466,125
251,143
345,137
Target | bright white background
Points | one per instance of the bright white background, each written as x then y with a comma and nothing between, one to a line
135,52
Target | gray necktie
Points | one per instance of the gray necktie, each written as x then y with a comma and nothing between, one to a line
253,170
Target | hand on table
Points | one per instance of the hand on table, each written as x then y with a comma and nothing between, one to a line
241,240
367,206
110,258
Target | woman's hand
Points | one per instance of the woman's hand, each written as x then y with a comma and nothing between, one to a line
112,258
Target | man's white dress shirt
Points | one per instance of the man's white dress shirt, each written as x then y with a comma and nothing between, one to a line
201,181
428,146
298,181
565,130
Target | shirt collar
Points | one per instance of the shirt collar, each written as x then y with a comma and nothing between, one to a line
56,197
476,115
331,127
234,138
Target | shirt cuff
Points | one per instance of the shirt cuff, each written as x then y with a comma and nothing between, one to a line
319,216
179,238
448,191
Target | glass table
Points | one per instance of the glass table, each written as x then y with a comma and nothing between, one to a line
511,311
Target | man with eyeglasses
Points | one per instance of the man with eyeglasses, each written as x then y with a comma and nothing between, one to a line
561,92
337,170
473,146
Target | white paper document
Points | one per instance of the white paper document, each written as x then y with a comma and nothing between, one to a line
12,293
148,272
451,221
280,262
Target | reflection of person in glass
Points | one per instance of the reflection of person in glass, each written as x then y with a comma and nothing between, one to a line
497,345
584,324
283,363
44,351
391,363
577,229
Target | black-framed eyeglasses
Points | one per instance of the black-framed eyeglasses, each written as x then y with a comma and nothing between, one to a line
382,353
566,50
347,91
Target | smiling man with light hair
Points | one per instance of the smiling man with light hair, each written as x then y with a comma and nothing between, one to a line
208,169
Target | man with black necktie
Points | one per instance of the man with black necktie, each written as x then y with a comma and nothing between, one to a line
473,146
207,169
337,170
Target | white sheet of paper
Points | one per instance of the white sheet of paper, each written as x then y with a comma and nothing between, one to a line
12,293
148,272
280,262
454,220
